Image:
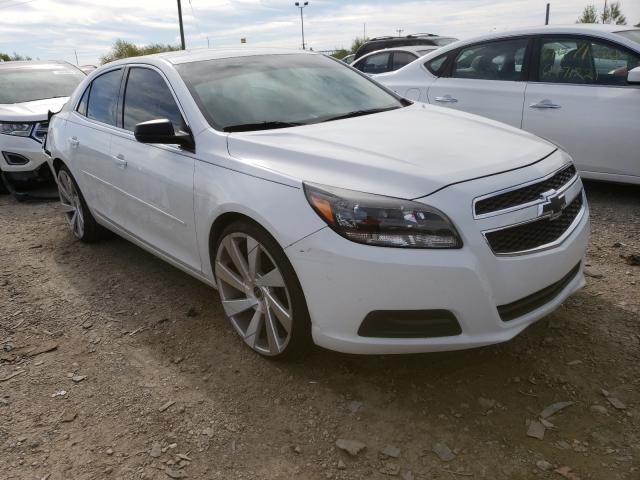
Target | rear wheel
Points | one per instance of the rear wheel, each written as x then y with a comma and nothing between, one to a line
260,292
82,224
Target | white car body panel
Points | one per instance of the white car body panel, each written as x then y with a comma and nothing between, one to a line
596,124
36,111
167,200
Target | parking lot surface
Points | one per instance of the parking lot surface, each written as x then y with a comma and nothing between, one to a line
114,364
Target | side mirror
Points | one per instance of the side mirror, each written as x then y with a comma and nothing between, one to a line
633,77
161,131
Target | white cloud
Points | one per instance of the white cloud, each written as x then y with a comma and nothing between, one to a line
54,28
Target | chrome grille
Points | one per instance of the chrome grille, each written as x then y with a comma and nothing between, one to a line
524,195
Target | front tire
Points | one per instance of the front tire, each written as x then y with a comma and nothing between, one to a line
78,216
260,292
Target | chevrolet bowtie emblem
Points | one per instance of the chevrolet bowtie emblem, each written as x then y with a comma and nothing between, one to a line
553,206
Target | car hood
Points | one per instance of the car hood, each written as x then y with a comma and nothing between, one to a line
407,153
30,111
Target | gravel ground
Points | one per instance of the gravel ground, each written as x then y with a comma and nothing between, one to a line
116,365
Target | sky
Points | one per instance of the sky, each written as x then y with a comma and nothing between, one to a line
57,29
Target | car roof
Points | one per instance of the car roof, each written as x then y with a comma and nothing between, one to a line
32,63
187,56
407,48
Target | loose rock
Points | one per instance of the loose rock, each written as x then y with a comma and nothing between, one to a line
156,450
391,451
352,447
443,452
166,405
536,430
544,465
555,408
617,404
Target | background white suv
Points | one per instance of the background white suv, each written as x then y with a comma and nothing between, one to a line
28,90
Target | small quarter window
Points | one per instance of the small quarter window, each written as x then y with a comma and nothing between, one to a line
436,66
82,106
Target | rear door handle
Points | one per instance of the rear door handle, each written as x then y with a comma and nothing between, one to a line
446,99
74,142
546,103
120,161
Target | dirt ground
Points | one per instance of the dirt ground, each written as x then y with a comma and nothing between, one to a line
145,378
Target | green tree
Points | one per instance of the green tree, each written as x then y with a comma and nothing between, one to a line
8,58
611,13
340,53
589,15
123,49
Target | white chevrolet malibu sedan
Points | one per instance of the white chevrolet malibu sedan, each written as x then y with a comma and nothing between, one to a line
320,205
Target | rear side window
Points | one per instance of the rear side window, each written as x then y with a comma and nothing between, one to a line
377,63
103,99
82,106
500,60
400,59
147,97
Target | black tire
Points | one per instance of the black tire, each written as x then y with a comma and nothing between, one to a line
299,340
3,188
91,231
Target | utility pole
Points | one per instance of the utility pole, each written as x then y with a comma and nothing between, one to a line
181,27
546,21
400,30
76,52
208,45
364,31
304,4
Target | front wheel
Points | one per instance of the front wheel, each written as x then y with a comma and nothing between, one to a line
260,292
82,224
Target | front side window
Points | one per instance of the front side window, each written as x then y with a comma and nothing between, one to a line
148,97
583,61
376,63
400,59
501,60
103,97
276,91
28,82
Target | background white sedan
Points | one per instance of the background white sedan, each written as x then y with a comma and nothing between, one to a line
390,59
578,86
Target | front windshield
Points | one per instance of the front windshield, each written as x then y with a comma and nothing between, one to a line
276,91
29,82
631,35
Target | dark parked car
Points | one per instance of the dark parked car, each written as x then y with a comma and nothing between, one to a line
380,43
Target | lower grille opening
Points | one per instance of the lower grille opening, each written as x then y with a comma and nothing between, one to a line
15,158
409,324
532,235
536,300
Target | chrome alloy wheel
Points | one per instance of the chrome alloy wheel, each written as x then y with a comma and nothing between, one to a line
254,294
71,204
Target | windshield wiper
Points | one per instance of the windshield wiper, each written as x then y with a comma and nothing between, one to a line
248,127
359,113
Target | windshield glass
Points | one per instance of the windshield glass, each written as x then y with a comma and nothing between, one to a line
631,35
28,82
277,91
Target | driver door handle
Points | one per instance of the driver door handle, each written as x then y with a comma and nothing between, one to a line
120,161
446,99
546,103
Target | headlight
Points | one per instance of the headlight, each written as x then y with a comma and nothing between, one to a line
382,221
16,129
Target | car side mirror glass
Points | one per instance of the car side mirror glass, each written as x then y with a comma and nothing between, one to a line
633,77
161,131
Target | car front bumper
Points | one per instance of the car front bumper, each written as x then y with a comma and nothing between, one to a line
27,148
345,281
